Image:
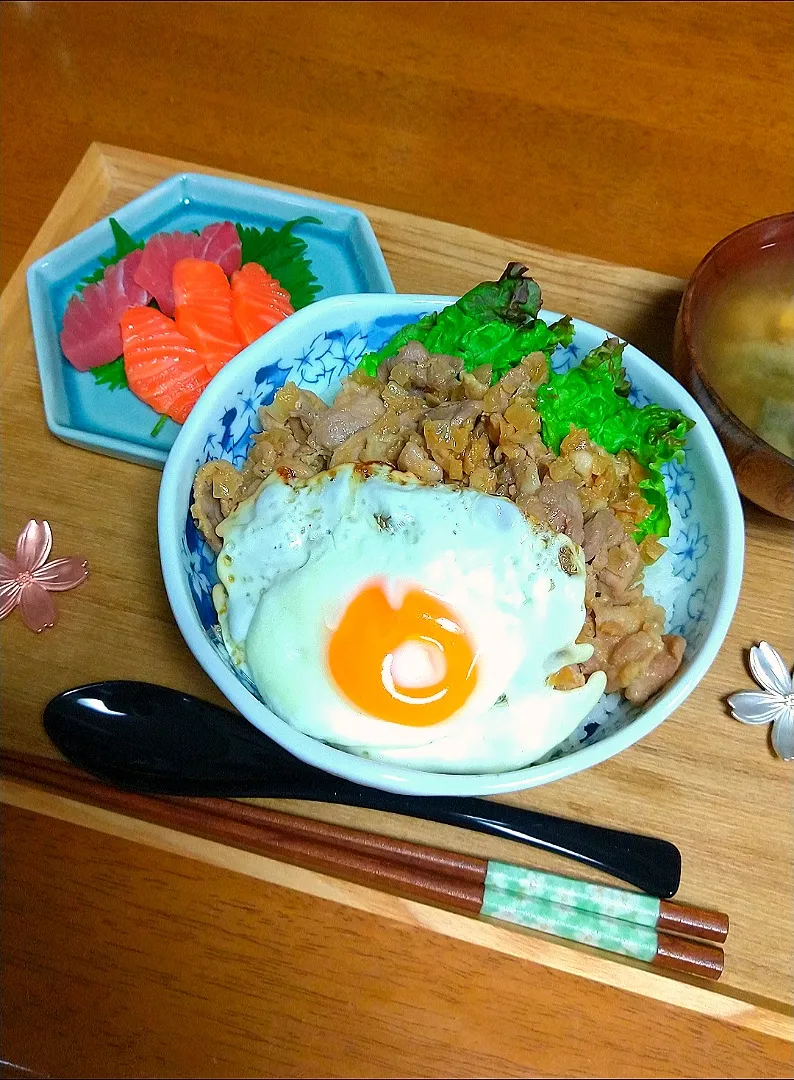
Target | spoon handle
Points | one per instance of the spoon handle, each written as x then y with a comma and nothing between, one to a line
648,863
157,741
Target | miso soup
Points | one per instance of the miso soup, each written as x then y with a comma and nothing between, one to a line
746,343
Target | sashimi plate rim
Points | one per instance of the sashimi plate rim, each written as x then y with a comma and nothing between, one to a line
200,193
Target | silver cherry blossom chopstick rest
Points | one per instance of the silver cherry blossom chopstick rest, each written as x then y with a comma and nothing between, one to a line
774,703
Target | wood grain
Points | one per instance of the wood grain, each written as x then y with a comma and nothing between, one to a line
639,133
430,875
157,965
697,779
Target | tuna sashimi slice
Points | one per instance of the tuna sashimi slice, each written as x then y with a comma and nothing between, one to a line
156,268
161,366
259,302
123,289
91,333
204,311
220,243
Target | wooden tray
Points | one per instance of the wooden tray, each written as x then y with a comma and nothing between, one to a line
702,780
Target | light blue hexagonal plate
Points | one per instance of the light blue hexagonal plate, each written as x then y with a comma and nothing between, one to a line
344,254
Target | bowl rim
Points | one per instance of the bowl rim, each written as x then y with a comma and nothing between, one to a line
687,331
173,505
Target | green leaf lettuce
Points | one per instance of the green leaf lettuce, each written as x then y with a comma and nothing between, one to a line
494,323
594,396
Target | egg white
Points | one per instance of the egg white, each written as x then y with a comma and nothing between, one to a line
293,557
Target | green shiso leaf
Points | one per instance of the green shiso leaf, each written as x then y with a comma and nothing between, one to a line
158,427
283,255
111,375
124,245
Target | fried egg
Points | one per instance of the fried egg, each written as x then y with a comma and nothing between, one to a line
405,622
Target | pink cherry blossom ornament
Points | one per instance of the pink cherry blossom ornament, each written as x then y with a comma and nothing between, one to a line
28,579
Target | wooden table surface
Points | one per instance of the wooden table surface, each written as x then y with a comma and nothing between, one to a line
639,133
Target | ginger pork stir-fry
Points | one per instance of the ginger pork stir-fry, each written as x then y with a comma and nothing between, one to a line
425,414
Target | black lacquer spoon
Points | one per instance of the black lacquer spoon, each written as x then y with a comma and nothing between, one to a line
154,740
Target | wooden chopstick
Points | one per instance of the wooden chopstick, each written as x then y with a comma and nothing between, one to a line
673,917
676,918
239,825
430,875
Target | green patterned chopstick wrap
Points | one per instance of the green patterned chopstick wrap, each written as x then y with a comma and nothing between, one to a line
601,931
608,901
615,903
607,918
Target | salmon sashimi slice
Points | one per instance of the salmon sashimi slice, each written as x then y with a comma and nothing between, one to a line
203,299
259,302
162,367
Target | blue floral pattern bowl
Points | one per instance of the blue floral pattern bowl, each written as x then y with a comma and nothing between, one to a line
697,580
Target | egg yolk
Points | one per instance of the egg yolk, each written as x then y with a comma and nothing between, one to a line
409,664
